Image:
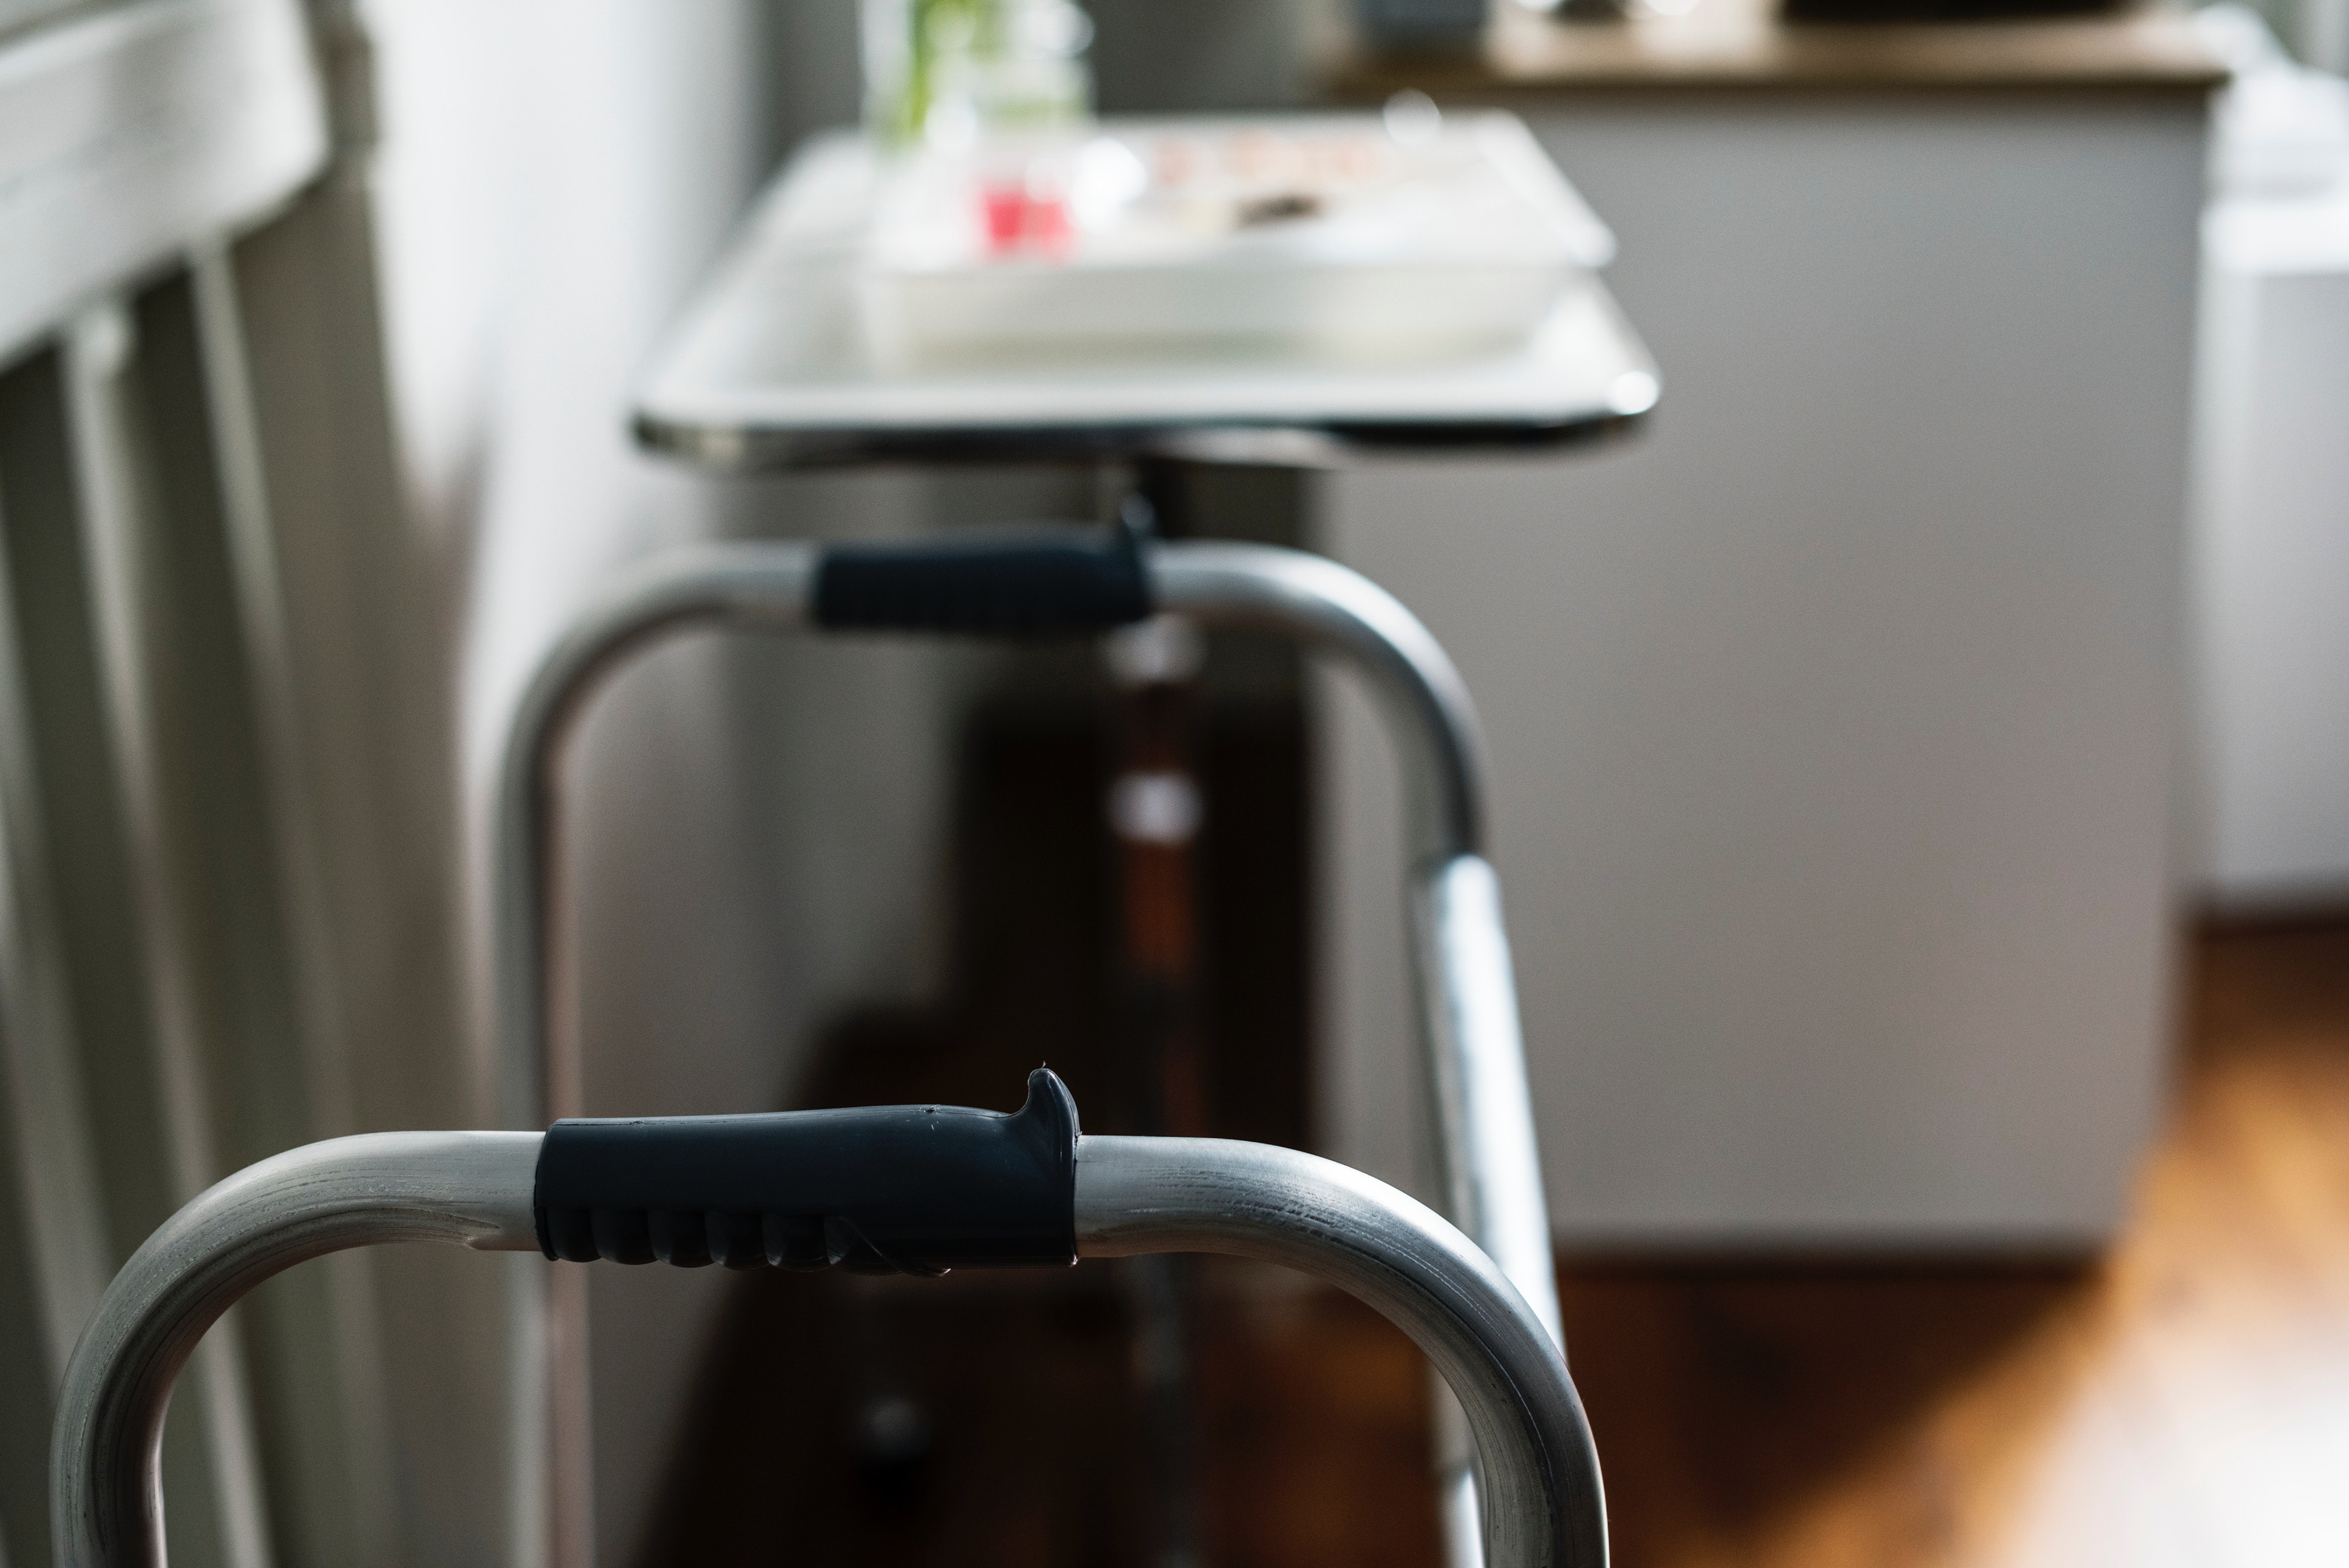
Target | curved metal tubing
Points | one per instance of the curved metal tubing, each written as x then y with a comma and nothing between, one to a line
1132,1195
105,1455
768,585
1339,611
764,585
1468,1027
1538,1468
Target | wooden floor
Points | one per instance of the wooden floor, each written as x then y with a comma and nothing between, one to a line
2183,1401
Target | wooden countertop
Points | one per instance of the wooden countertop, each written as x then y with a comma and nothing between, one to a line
1741,45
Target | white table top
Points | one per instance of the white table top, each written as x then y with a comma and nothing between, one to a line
771,367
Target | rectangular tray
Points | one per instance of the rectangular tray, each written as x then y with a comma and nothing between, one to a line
773,364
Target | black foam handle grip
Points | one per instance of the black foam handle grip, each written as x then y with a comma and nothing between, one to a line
913,1189
1028,584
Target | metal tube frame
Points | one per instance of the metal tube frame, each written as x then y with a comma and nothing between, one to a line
1466,998
1132,1195
106,1507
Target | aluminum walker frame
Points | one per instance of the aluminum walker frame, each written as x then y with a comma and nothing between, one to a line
1071,582
956,1188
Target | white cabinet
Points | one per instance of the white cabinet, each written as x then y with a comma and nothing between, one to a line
1834,725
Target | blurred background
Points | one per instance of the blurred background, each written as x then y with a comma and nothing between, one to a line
1917,761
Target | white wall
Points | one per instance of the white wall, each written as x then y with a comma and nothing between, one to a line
1833,725
753,828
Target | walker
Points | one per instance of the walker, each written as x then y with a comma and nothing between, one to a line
1073,582
914,1188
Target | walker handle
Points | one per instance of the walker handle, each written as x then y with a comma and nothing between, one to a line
1042,583
908,1189
1119,1197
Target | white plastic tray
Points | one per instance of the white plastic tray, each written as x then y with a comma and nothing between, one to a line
1333,232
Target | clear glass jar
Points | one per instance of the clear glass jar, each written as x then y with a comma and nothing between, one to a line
946,73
